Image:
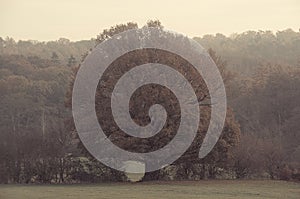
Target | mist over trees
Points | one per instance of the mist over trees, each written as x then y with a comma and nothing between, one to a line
261,71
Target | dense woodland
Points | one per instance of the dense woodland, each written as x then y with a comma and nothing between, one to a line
261,71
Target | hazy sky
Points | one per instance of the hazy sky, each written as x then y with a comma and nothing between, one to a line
84,19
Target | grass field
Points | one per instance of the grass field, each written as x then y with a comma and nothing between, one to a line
173,190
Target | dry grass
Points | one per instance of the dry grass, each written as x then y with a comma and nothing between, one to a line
173,190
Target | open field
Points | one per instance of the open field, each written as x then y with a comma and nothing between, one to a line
200,189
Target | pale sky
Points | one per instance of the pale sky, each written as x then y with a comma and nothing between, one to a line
46,20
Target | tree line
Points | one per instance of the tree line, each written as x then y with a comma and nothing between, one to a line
39,144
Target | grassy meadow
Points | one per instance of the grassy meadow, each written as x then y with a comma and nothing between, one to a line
242,189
